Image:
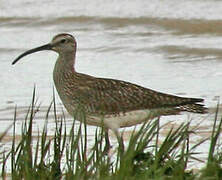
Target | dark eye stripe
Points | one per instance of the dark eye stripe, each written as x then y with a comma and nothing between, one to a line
63,41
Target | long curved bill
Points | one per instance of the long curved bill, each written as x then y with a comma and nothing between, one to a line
41,48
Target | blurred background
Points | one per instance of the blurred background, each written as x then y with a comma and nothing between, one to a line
169,46
172,47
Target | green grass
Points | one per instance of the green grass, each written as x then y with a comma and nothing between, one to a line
68,155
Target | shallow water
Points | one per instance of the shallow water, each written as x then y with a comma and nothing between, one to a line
172,47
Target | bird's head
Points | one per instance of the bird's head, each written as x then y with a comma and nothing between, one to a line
61,43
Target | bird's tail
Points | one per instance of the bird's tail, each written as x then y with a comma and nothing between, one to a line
194,108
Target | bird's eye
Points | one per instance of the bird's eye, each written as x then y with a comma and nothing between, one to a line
63,41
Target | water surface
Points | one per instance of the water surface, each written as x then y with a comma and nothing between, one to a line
172,47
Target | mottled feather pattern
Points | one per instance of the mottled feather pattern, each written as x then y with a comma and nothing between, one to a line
108,102
110,96
195,108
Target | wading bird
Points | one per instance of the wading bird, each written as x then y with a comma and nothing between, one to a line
108,102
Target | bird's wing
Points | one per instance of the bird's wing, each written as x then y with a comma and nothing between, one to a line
112,96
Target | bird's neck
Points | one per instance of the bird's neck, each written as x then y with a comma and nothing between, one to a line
65,63
64,68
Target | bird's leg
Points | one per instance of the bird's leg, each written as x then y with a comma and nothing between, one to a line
107,145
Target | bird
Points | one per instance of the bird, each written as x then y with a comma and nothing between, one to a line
108,103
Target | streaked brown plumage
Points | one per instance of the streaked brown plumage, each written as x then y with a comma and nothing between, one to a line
118,103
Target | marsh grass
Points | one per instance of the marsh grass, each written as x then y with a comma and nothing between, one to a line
68,155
